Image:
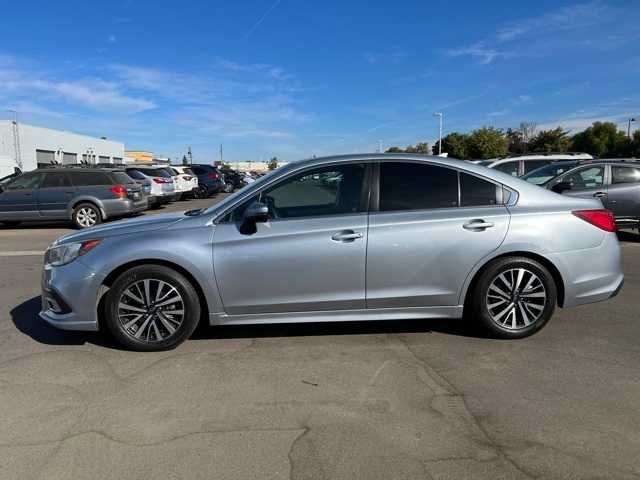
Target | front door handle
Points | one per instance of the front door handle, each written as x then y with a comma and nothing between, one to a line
477,225
346,236
600,194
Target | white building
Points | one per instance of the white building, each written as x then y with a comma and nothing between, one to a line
28,147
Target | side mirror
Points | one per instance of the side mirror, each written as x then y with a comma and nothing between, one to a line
561,187
255,213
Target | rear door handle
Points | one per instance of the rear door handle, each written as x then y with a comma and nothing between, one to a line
600,194
477,225
346,236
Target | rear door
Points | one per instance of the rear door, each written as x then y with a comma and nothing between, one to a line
584,182
428,227
623,192
19,200
54,194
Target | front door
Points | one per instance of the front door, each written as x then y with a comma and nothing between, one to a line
623,194
584,182
311,253
18,199
54,195
432,226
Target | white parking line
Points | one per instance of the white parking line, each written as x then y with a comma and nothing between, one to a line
22,253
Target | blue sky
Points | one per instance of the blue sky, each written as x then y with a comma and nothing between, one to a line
295,78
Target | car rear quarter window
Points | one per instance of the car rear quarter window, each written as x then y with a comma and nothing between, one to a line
53,180
414,186
625,174
121,177
510,168
88,178
133,173
476,192
531,165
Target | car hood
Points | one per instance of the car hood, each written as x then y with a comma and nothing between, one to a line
123,227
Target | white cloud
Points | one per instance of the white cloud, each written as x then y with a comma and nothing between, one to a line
482,53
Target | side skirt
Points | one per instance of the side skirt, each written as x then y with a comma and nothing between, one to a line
405,313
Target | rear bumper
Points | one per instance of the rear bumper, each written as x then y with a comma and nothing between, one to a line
590,275
122,207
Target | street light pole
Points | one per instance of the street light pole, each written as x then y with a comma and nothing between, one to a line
441,116
629,127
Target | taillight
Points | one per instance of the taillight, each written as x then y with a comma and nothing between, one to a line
187,178
161,180
601,218
214,176
119,191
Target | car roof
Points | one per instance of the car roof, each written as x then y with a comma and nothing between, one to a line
76,169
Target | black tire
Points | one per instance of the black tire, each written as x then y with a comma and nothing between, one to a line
228,187
83,212
115,315
11,223
529,304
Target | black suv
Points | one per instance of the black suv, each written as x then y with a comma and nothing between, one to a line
86,196
616,182
232,180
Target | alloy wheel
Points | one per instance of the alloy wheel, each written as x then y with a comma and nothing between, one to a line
516,298
87,217
150,310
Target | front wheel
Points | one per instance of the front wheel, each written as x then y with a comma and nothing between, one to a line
228,187
151,308
514,297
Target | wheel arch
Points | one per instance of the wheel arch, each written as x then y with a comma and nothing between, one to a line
116,272
555,273
76,202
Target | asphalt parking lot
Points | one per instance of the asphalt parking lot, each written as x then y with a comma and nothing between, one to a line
377,400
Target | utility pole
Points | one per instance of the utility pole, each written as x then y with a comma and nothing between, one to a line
379,146
190,156
629,127
16,139
441,117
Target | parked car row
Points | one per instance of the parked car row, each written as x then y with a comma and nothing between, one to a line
615,182
90,195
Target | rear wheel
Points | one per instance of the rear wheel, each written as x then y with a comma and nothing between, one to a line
86,215
514,297
228,187
152,308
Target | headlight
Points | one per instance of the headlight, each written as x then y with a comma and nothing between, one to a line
68,252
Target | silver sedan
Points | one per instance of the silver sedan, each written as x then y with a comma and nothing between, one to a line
359,237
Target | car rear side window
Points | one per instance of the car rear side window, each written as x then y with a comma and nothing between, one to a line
53,180
89,178
625,175
133,173
531,165
414,186
510,168
121,177
475,191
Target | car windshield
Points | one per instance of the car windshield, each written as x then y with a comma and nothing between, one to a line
542,175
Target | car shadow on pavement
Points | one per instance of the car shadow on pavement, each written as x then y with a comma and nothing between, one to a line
25,318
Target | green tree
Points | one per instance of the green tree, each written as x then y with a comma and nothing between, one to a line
634,148
455,144
423,147
272,164
487,142
602,139
556,140
395,150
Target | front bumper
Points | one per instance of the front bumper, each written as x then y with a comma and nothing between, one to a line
75,288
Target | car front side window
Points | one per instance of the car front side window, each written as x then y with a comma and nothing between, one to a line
588,177
25,182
